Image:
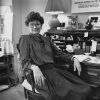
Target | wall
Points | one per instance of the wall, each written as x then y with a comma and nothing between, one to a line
67,6
5,2
17,28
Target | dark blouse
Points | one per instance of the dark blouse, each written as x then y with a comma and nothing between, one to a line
38,50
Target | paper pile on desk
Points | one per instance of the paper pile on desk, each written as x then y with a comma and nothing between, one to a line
27,85
81,57
87,58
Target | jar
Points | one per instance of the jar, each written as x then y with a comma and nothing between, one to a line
54,22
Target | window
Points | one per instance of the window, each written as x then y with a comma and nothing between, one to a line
6,21
1,24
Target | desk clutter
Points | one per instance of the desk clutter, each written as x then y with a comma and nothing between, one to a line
88,58
88,40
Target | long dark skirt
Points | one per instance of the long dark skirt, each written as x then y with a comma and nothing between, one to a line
62,85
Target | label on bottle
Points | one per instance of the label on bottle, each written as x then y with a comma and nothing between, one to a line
94,46
86,34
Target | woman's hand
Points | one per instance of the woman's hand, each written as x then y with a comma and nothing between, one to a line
77,66
38,76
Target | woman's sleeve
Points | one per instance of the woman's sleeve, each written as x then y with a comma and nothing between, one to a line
24,52
58,54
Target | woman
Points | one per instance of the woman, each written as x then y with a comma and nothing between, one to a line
38,54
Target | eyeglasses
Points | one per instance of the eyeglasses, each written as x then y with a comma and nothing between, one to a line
34,24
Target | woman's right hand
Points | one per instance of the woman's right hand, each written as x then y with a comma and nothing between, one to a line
77,66
38,76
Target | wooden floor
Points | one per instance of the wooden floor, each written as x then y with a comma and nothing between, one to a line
13,93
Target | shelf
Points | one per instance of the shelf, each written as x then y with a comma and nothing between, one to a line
70,41
73,32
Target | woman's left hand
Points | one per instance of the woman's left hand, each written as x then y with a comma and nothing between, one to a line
77,66
38,76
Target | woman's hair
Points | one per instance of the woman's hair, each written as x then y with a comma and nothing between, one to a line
34,16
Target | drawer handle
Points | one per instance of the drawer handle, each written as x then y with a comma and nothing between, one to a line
94,74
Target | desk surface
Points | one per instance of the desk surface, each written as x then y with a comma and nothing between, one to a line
93,61
88,59
91,64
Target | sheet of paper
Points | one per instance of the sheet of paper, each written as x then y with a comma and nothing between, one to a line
81,57
94,60
94,45
27,85
87,58
86,34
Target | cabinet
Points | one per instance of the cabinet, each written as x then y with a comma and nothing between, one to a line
6,68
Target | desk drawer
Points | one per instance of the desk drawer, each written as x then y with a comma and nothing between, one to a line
93,72
91,75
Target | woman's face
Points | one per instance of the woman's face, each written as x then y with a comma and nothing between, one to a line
35,27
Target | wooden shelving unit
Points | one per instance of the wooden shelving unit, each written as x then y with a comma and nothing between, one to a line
83,37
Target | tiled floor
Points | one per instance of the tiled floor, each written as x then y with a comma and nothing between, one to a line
13,93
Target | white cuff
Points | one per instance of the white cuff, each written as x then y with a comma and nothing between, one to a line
80,58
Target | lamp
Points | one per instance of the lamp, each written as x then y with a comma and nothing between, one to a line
63,18
54,7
